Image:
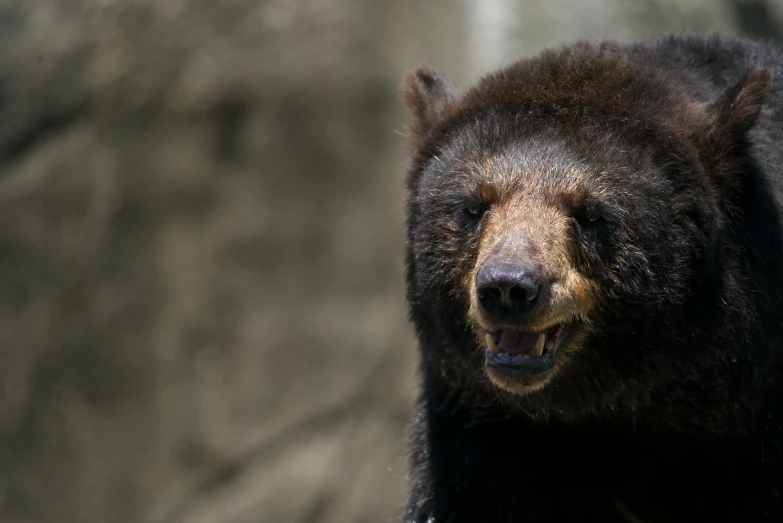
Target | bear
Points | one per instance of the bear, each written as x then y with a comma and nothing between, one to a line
594,268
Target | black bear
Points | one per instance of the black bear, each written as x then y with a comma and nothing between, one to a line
594,269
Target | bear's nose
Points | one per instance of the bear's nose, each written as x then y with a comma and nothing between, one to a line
508,288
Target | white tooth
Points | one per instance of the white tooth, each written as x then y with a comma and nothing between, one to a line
491,345
539,348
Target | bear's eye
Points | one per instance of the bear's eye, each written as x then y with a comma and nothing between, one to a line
476,210
473,210
587,215
592,215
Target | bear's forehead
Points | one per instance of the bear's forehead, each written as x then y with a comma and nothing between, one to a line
539,167
547,163
534,161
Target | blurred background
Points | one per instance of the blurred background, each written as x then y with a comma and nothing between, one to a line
202,314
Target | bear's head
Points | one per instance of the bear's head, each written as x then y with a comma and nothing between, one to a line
564,224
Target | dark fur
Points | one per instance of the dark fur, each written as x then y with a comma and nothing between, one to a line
672,408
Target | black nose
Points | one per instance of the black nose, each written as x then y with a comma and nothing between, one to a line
508,288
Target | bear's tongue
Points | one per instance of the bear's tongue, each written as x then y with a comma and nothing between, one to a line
517,342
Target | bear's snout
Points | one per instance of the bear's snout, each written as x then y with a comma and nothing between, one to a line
508,289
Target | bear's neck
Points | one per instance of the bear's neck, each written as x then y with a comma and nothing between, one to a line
481,466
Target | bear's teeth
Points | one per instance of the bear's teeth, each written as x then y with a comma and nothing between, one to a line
491,345
539,348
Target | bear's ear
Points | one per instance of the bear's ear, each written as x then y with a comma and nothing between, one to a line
427,94
735,112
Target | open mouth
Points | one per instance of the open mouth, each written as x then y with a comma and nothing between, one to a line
523,350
